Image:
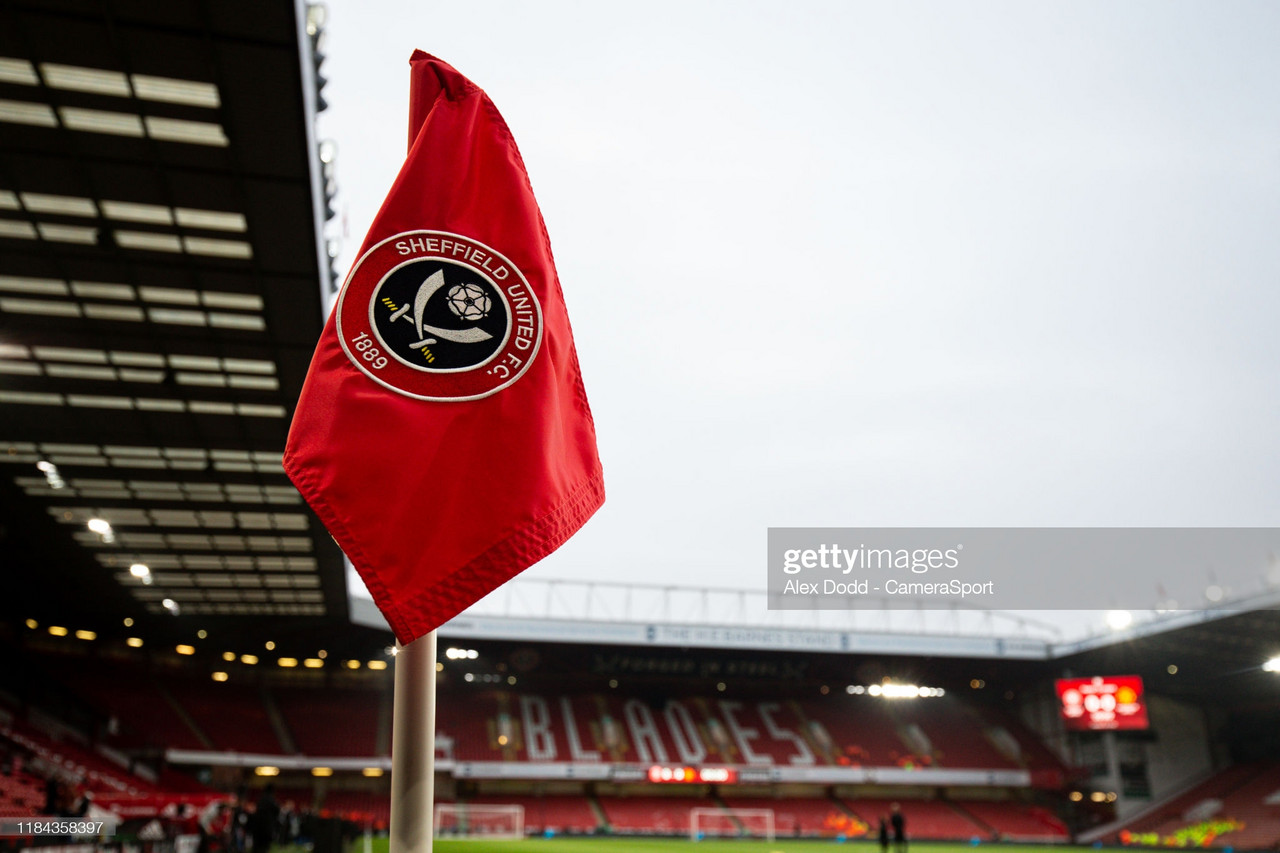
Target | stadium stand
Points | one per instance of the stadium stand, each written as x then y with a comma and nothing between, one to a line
503,725
345,723
1014,821
21,794
1246,794
144,717
955,734
801,816
648,815
61,756
861,732
932,819
557,813
361,807
231,717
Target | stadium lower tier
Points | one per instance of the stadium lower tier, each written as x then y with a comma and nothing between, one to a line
785,816
1238,807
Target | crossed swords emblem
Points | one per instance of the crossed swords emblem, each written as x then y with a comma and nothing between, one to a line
426,290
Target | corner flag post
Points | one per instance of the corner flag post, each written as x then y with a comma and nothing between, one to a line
413,739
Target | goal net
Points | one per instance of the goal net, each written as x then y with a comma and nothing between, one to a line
730,823
474,820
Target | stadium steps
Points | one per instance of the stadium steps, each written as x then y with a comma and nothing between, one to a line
278,725
991,831
719,803
598,811
186,718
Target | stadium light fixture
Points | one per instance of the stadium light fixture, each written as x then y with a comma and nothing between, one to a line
229,656
270,645
1118,620
287,663
140,570
134,642
1272,665
86,635
51,475
511,680
321,771
266,770
57,630
220,676
353,664
202,634
185,650
322,654
371,772
102,527
313,663
248,660
171,605
1076,796
1098,797
128,621
32,624
439,667
376,664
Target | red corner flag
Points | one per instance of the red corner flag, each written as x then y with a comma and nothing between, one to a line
443,434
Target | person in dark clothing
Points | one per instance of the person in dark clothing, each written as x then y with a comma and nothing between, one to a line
239,819
899,823
884,834
262,824
53,797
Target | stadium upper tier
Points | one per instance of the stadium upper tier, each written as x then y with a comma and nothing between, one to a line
484,729
834,731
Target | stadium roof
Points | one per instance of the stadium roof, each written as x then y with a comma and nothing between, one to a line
161,278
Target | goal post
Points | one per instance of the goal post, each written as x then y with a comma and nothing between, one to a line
480,820
730,823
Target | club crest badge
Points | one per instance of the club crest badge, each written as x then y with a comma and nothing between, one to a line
439,316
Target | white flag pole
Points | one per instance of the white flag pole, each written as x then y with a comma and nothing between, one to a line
413,746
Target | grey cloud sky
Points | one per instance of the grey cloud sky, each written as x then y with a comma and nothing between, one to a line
859,264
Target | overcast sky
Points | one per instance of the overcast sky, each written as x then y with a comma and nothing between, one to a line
863,264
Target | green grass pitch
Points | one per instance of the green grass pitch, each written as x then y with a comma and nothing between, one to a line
678,845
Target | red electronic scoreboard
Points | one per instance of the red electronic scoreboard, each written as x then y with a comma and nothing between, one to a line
1103,703
687,775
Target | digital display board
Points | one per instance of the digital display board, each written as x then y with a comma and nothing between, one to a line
693,775
1103,703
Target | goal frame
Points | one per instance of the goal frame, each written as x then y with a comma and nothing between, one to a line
465,813
696,813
